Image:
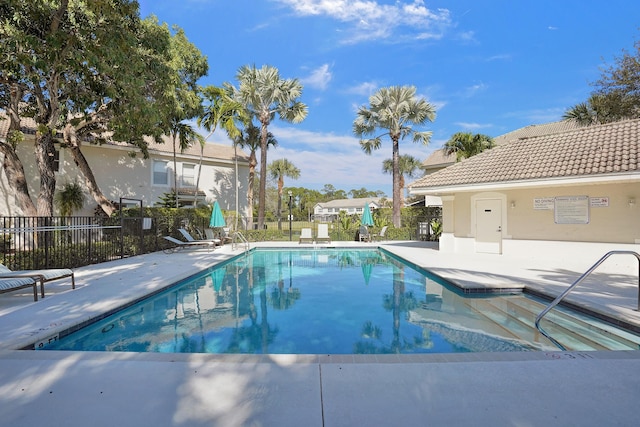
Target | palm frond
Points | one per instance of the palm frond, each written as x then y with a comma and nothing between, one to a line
370,145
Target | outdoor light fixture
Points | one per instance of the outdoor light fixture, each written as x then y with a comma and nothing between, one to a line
632,202
513,205
290,215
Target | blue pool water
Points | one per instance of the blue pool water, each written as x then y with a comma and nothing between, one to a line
314,302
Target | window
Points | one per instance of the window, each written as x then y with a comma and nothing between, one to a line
160,172
56,161
188,175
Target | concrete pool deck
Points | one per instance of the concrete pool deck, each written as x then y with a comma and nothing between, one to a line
480,389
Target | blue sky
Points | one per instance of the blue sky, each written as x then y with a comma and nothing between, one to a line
488,66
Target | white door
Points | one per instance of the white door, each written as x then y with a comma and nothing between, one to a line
489,226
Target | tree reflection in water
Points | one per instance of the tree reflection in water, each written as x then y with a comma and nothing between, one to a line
397,303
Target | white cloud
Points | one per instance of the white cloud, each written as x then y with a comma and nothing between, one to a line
538,115
370,20
473,126
313,141
327,158
467,37
364,89
319,78
472,90
499,57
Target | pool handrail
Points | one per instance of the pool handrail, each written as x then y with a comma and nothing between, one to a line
240,237
576,283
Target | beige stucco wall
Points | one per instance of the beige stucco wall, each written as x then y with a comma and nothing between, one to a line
619,222
120,175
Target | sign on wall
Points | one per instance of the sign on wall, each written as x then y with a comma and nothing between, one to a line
599,202
543,203
571,210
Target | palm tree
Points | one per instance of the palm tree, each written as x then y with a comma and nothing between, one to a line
263,93
186,136
70,198
599,109
408,166
250,138
466,144
221,110
278,170
395,109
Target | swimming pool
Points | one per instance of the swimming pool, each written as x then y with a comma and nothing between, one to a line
332,301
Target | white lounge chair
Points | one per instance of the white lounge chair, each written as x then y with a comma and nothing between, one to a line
9,284
225,236
323,234
181,245
42,275
189,238
380,236
305,236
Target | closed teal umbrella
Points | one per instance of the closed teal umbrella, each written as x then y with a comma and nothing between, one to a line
367,269
217,277
217,220
367,219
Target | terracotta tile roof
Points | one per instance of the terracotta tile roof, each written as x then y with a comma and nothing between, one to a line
211,150
536,130
589,151
438,158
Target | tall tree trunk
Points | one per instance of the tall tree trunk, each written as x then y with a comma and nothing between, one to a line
252,176
401,190
12,165
71,139
396,182
45,156
14,171
262,194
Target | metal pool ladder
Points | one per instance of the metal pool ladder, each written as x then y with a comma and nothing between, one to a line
576,283
238,236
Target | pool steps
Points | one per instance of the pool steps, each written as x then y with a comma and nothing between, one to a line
567,327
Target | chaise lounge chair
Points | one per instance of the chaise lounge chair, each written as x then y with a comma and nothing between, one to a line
42,276
323,234
305,236
225,237
189,238
9,284
181,245
380,236
363,234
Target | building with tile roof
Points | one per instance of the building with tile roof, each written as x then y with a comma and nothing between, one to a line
574,186
438,160
329,211
121,171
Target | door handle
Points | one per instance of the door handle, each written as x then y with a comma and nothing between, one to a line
499,229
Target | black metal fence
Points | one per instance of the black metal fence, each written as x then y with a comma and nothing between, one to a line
70,242
51,242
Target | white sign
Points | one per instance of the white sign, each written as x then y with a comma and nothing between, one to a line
543,203
599,202
572,210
